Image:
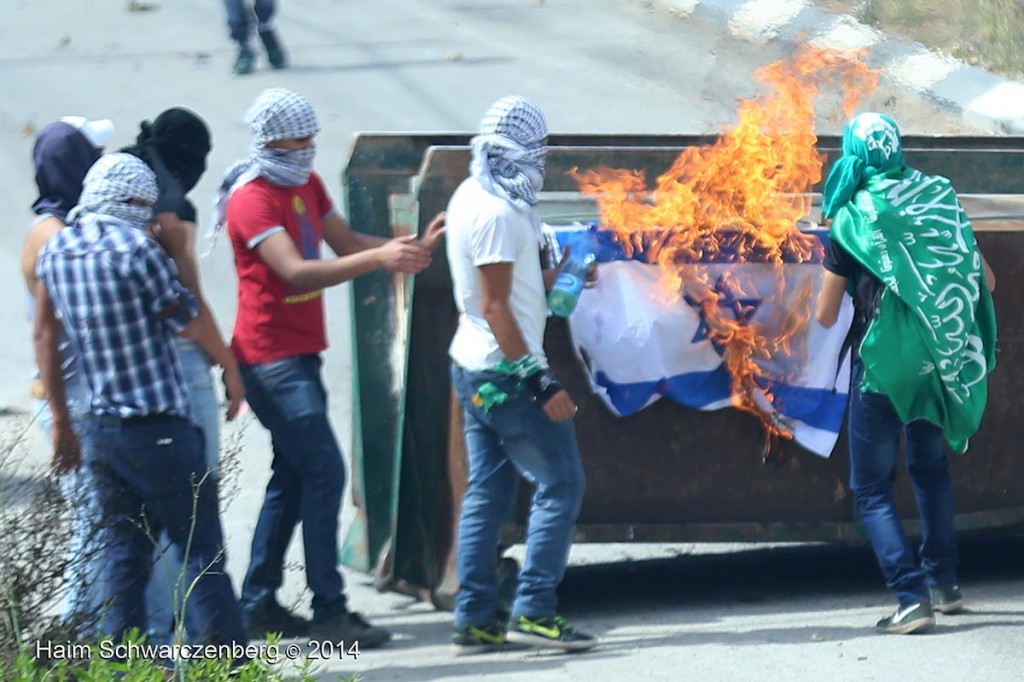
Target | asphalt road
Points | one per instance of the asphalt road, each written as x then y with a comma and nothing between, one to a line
435,65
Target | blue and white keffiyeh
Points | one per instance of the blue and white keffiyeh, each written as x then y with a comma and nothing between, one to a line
277,114
509,152
111,183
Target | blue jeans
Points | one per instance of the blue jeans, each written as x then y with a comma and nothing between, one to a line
874,444
166,590
308,479
240,17
83,603
147,473
514,439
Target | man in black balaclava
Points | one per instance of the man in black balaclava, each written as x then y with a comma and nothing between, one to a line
175,146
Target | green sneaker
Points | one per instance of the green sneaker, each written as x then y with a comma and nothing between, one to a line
947,599
244,63
552,632
478,640
906,620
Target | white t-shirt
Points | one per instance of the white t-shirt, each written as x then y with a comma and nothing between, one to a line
483,229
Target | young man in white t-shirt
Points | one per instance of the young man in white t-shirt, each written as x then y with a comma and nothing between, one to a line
517,419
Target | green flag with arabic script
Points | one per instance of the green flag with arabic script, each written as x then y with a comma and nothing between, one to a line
931,345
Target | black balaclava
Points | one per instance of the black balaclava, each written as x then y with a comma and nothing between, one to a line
175,146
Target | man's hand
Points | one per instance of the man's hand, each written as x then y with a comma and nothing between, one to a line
547,392
234,387
67,454
560,407
551,274
591,280
403,254
172,234
434,232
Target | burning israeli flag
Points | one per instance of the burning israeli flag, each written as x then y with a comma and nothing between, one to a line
641,342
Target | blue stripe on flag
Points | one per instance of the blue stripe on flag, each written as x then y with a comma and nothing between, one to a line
670,357
816,407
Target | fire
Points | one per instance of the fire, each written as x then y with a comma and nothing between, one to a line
738,201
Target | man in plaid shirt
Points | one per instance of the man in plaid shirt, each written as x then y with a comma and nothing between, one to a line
117,294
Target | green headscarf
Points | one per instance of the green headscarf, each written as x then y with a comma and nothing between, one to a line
872,144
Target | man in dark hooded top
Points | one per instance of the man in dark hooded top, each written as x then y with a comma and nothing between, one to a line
63,153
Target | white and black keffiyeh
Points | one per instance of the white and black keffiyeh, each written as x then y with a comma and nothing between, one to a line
277,114
111,183
509,152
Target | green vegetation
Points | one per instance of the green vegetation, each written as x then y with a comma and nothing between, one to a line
35,646
986,33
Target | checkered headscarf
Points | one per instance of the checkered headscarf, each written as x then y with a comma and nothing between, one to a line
277,114
509,152
111,183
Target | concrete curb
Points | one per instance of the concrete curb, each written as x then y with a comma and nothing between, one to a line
981,98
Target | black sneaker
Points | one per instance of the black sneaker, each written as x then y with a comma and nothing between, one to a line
273,617
917,617
478,640
551,632
245,62
351,628
275,53
947,599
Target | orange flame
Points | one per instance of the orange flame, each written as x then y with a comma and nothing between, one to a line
739,200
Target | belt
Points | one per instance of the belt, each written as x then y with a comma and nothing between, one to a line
115,420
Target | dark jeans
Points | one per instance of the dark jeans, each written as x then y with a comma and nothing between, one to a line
874,444
149,474
514,439
240,17
307,482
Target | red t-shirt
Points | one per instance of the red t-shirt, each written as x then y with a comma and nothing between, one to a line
276,320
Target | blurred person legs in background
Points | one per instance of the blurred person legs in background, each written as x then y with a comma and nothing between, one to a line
241,15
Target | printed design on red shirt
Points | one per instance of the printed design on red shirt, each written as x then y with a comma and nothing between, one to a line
276,320
308,247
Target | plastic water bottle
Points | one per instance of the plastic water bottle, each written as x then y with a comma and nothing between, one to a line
565,294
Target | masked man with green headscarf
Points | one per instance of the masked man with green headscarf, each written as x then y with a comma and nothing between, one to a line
923,341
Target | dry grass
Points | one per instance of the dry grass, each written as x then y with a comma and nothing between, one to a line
987,33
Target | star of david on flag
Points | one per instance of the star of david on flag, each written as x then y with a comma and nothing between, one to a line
641,342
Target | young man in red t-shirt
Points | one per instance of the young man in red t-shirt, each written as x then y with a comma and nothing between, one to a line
278,213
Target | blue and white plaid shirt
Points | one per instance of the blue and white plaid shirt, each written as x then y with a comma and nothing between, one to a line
118,296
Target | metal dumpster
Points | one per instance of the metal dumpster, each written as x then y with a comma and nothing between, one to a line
668,473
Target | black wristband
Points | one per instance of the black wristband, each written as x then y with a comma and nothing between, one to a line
543,385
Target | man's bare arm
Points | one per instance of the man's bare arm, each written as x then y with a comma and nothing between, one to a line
345,241
496,290
830,299
206,331
398,255
46,335
34,242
